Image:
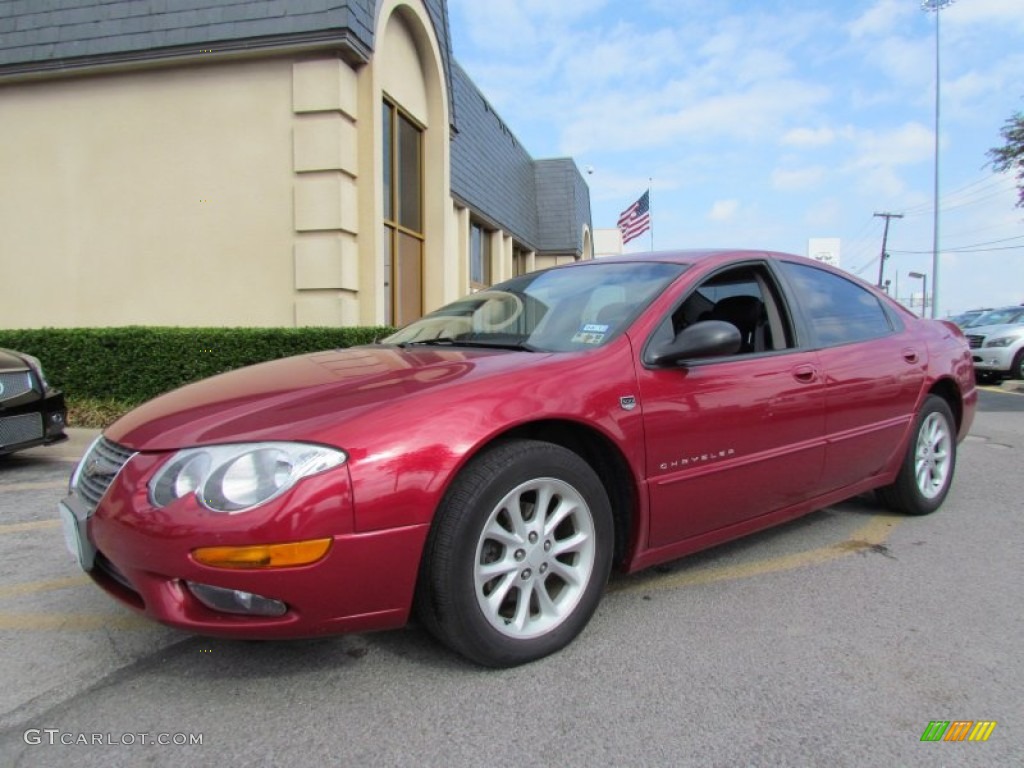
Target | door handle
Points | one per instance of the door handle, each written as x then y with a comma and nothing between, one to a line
805,373
910,355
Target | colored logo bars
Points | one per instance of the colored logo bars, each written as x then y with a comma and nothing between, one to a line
958,730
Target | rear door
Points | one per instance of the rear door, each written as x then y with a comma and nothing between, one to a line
874,371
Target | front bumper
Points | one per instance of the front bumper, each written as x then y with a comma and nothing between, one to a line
28,424
142,556
993,359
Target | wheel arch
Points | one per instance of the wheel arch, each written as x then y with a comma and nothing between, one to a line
603,456
949,391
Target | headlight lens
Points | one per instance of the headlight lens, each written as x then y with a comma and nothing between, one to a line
1002,341
236,478
38,366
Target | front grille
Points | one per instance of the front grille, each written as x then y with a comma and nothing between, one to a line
14,384
21,429
975,341
98,469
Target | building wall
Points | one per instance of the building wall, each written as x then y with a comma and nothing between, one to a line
150,179
159,197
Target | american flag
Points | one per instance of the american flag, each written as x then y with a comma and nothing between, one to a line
636,219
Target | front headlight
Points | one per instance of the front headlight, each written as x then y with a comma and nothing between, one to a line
236,478
1002,341
33,361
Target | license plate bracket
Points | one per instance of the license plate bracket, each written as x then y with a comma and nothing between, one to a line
75,537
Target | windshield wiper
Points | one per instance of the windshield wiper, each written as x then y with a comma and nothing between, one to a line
446,341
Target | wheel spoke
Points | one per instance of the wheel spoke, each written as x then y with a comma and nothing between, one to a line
547,606
497,532
522,614
568,573
497,596
490,571
562,511
572,544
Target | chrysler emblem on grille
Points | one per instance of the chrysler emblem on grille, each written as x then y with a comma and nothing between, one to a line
96,466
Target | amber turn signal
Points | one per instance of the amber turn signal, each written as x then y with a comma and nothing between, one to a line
263,555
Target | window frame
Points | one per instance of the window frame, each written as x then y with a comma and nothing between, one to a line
486,256
392,117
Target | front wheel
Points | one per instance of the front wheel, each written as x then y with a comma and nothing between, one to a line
1017,368
518,555
927,470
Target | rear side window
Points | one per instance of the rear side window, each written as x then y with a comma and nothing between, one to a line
839,310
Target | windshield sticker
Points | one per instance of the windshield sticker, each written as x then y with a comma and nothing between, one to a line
591,333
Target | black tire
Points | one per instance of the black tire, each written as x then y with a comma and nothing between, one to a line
1017,368
929,463
498,583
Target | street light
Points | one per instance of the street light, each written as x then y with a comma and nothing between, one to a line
937,6
924,292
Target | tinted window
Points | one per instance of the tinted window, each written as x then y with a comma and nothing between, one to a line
839,310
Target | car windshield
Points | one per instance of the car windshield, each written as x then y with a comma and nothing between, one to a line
1003,316
556,310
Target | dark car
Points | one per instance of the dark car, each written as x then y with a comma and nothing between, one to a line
489,464
31,412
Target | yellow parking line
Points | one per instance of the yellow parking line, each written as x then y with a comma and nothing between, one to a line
40,486
32,587
76,622
871,534
35,525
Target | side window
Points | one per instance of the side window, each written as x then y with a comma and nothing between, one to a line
745,296
839,310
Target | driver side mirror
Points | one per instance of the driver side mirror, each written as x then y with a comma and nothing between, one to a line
708,338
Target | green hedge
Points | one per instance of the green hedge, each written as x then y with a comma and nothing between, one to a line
136,363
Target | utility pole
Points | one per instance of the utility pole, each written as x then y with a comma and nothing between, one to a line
885,239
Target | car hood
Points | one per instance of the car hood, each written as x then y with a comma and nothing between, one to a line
1011,329
11,361
304,397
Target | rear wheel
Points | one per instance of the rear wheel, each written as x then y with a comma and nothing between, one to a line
927,470
518,555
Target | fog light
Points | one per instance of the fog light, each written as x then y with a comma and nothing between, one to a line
264,555
236,601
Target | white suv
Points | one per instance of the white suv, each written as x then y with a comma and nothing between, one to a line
997,343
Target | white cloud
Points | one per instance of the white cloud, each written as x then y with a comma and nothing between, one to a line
881,18
724,210
908,144
788,179
809,137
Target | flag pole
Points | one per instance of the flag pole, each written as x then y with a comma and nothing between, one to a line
650,212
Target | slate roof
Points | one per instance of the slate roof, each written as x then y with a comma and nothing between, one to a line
39,35
543,203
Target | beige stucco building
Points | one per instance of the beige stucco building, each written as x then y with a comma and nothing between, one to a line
259,164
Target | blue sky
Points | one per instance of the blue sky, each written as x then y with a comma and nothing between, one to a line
763,124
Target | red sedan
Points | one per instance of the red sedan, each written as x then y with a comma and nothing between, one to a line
489,464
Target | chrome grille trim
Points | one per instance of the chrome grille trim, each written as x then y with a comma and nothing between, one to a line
975,340
21,429
15,384
98,469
